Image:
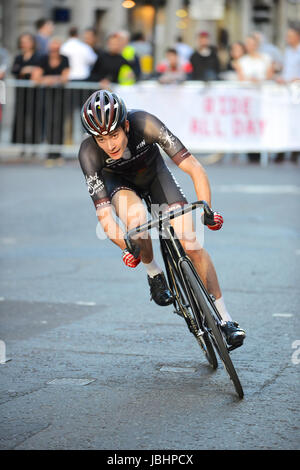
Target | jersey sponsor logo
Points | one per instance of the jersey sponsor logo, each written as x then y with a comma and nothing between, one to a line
94,183
141,144
110,161
126,156
165,139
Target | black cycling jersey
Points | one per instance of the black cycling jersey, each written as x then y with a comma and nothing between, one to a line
141,164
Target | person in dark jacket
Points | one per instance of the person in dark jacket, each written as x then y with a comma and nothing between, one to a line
52,73
25,130
107,67
205,60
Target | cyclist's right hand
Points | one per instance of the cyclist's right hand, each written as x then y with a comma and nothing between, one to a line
130,260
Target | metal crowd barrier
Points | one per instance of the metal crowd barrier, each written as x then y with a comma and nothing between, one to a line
45,120
42,119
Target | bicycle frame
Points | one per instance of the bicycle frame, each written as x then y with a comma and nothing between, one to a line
173,251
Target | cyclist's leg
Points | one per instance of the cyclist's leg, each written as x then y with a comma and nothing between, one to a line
132,212
166,192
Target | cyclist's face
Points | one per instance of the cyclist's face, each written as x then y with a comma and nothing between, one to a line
115,143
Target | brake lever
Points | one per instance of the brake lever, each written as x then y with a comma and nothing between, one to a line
132,247
208,216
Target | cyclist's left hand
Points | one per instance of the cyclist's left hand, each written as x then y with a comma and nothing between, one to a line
130,260
218,219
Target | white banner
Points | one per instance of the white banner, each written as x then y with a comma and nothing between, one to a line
223,117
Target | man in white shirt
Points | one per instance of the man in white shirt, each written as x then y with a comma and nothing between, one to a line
183,50
291,61
81,56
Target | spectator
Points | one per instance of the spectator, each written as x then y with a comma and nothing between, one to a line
173,69
53,70
130,73
81,56
254,66
44,29
269,49
106,69
237,50
25,62
25,123
223,48
143,50
291,58
4,62
205,60
90,38
290,73
183,50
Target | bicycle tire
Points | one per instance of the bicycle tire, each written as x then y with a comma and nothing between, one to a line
203,340
216,335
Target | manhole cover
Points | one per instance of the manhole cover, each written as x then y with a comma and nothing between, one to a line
70,381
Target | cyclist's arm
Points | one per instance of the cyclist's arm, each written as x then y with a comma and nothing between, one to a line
111,228
195,170
156,132
90,162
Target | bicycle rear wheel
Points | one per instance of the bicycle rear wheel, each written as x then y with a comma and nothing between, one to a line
213,325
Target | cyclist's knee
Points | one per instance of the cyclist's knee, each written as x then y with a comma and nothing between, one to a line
135,217
191,244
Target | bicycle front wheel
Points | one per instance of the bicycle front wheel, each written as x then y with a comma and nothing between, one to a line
189,307
213,325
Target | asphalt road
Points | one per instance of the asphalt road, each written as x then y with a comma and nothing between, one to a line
95,365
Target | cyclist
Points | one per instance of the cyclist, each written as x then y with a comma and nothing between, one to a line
120,160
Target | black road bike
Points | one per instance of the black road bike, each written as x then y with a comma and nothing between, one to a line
191,299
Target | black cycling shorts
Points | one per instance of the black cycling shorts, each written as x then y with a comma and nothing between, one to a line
162,186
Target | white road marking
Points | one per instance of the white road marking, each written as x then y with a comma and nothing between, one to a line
258,188
177,369
70,381
88,304
283,315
